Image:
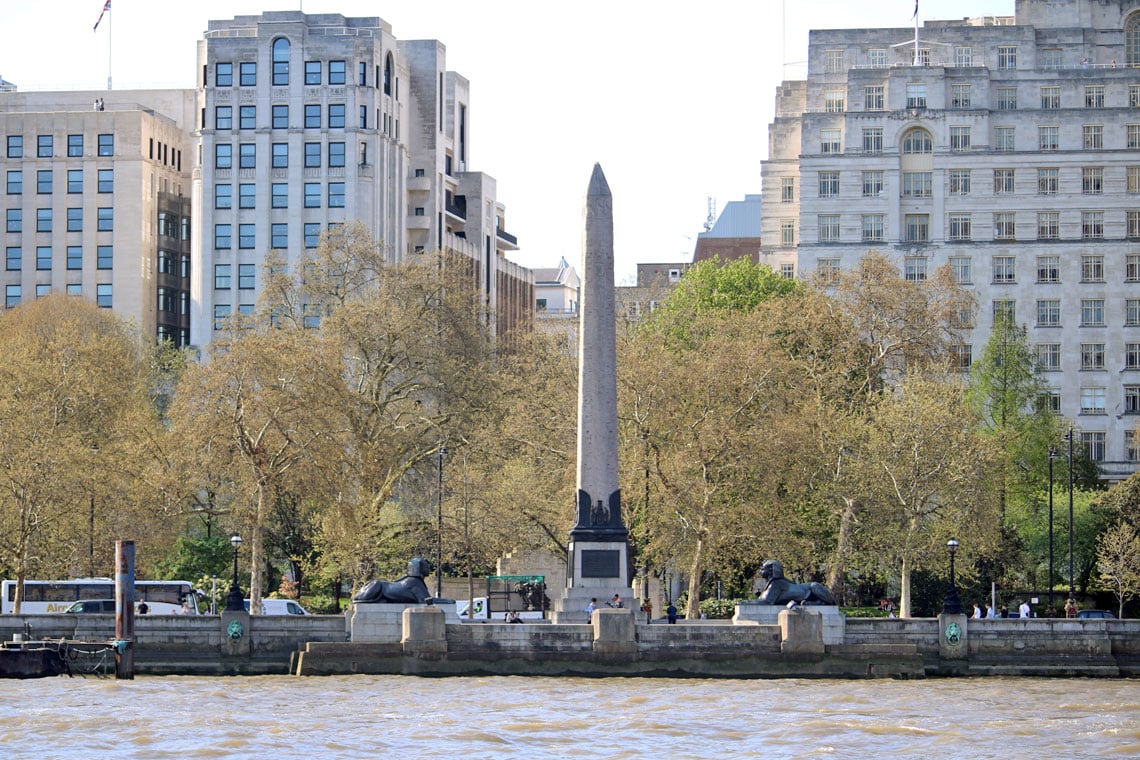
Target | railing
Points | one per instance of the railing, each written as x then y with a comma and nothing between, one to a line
506,236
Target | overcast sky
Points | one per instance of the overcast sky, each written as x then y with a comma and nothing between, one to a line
672,98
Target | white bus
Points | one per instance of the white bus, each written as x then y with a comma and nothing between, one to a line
162,597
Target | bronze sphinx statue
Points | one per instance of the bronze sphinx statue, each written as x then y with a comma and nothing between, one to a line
409,589
779,590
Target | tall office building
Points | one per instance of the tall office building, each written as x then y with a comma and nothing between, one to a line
308,121
97,203
1005,147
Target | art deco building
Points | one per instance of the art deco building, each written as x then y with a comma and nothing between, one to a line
1007,148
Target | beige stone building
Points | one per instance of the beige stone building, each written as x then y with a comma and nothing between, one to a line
1007,148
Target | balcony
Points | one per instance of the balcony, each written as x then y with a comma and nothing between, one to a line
508,240
456,206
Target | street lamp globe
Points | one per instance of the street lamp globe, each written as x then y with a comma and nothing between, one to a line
235,599
952,605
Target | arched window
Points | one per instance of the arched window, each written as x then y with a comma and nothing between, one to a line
388,75
281,61
1132,40
917,141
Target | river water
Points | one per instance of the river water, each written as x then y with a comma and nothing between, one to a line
406,718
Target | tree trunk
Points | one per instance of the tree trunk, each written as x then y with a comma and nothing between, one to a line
842,541
693,612
904,594
256,553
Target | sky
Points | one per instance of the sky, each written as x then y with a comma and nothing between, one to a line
672,98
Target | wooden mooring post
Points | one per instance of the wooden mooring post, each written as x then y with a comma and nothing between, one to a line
124,609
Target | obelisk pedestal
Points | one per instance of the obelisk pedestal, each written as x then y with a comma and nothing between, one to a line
598,562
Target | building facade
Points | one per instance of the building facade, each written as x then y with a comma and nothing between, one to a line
1007,148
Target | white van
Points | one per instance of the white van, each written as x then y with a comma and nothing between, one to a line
279,607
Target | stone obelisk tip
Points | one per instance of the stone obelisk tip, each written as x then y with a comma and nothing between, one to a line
598,184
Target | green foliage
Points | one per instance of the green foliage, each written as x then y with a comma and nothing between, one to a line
719,609
195,557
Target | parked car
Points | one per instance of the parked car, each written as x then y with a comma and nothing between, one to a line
84,606
1094,614
279,607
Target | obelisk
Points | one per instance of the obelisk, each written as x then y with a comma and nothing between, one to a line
597,563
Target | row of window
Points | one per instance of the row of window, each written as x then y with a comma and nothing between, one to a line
247,155
104,219
961,97
960,227
312,112
1003,271
1005,56
13,294
45,256
919,141
279,195
45,181
278,234
335,72
45,146
960,182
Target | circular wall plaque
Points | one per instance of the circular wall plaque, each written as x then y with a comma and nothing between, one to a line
235,630
953,633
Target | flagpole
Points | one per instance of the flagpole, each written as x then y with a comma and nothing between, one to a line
110,27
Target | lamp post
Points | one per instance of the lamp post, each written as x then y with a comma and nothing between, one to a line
439,527
1069,437
1052,456
952,605
235,600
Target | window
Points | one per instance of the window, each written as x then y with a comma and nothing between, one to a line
223,117
1050,58
222,312
14,258
1004,309
1092,402
280,62
15,221
787,190
336,116
75,146
1048,181
312,195
336,154
15,182
917,228
872,184
106,145
917,184
43,257
959,96
914,268
916,95
222,276
105,219
1048,269
11,296
1092,225
312,116
280,155
1003,182
312,72
1003,226
247,236
1007,98
877,58
833,101
1131,452
1094,96
106,180
873,140
1049,357
1092,268
312,155
279,235
1092,180
1048,312
15,146
336,195
961,270
1092,312
1132,224
247,117
280,117
873,228
246,276
959,139
828,184
833,61
1134,96
873,98
828,228
247,74
963,56
43,220
247,195
1132,267
787,232
75,180
44,146
223,156
223,75
1133,136
223,236
917,141
1048,138
827,270
1003,270
75,220
961,356
1133,175
247,156
1132,312
104,256
1050,98
1004,139
280,195
959,226
959,181
312,234
336,72
829,141
223,196
1007,57
1093,136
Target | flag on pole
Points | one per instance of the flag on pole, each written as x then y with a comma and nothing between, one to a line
914,16
107,7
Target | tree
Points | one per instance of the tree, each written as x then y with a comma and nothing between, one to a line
1118,560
